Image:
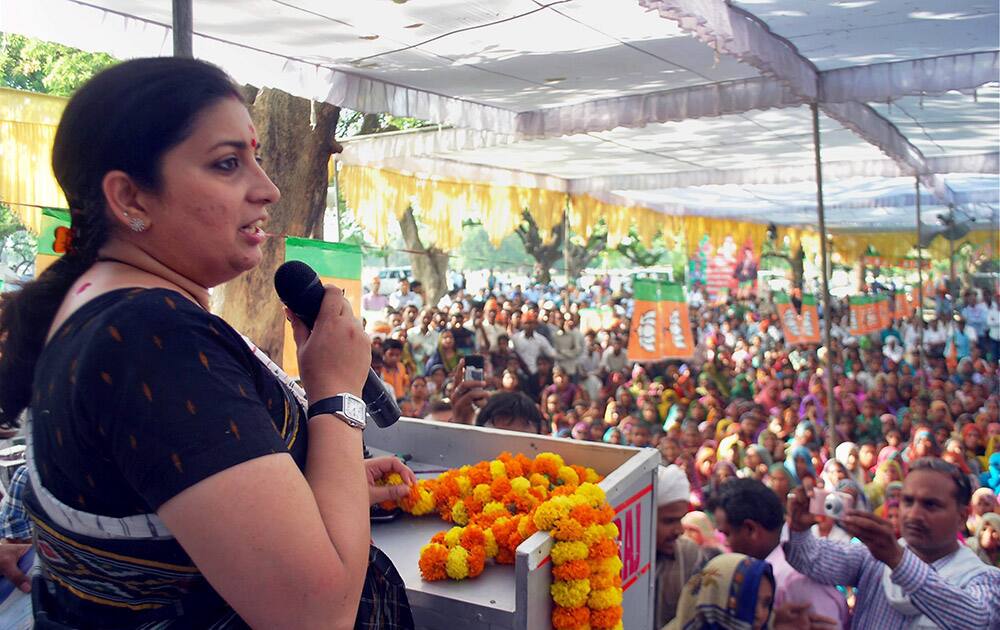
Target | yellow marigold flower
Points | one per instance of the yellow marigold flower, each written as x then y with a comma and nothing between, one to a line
497,469
482,493
605,598
592,476
520,485
491,543
452,537
495,507
394,479
464,485
538,479
571,593
593,493
459,514
611,531
593,534
576,500
565,551
526,527
568,476
548,464
457,565
551,511
425,505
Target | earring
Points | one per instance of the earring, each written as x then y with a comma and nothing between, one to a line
136,224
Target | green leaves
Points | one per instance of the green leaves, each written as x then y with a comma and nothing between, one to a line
38,66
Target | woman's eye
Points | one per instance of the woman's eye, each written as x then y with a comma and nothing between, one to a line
228,164
259,160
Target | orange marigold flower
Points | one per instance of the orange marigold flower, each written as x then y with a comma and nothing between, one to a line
538,479
581,472
526,528
567,528
505,556
473,506
433,558
476,560
524,461
572,570
514,468
471,537
438,538
603,580
547,464
604,549
505,457
607,618
605,514
570,618
563,491
499,488
480,473
584,514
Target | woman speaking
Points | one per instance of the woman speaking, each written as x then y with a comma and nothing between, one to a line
175,482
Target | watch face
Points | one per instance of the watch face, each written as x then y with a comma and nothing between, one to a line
354,408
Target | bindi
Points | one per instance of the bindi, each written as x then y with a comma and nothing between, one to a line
253,136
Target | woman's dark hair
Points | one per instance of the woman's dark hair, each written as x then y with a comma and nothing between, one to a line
125,118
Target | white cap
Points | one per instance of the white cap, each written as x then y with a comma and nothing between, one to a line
672,485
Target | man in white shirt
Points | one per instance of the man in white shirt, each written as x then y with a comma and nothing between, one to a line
404,297
529,345
423,340
615,359
992,326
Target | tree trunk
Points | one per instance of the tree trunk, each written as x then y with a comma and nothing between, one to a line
580,256
430,264
545,254
296,156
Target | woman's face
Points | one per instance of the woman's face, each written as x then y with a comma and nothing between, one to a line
206,221
552,404
780,483
765,593
752,460
984,504
508,380
972,439
418,389
559,378
769,443
447,340
989,540
852,458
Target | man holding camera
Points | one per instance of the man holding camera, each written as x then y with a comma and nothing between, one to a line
925,580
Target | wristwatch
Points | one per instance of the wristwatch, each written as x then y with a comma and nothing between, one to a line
347,407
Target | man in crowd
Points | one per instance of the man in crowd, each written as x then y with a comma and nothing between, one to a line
928,579
374,301
751,517
677,557
529,346
403,297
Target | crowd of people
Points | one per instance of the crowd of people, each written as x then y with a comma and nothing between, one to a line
744,423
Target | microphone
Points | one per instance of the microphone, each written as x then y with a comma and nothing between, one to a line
299,288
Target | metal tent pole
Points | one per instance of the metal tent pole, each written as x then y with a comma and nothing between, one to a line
920,285
831,420
953,289
183,28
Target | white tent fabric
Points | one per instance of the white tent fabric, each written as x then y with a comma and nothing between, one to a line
632,98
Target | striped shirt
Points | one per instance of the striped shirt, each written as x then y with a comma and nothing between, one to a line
975,606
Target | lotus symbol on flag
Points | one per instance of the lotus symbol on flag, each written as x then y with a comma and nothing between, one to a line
676,332
790,324
647,331
807,324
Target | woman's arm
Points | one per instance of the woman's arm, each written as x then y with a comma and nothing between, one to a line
287,550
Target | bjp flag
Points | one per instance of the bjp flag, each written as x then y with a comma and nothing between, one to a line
676,337
883,313
661,325
809,320
788,317
335,263
53,238
901,305
644,330
860,312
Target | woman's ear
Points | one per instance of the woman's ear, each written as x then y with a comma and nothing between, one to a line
125,201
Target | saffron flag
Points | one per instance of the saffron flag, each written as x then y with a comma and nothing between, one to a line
661,326
53,238
883,312
901,305
335,263
798,328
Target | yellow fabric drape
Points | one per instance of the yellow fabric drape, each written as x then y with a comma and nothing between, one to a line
852,245
28,124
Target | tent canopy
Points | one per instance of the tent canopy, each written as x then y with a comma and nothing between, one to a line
685,107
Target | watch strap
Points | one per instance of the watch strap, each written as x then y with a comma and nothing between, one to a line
338,406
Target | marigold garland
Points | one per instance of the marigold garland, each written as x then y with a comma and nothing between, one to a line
496,505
